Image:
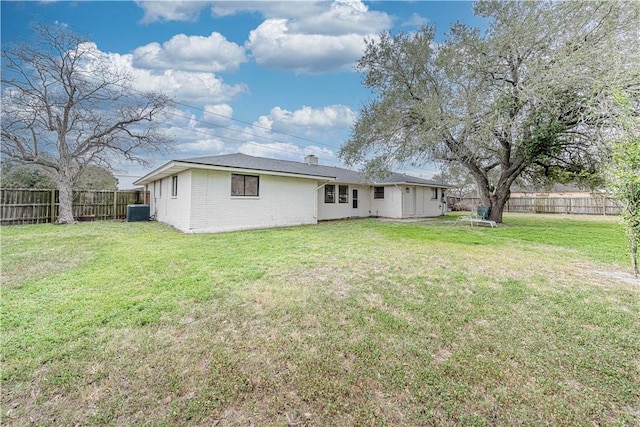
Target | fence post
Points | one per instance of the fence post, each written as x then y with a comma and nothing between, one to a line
115,204
53,206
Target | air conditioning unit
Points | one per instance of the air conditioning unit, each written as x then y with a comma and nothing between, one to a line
138,213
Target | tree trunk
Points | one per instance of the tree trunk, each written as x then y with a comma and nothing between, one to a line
65,208
496,200
499,200
497,206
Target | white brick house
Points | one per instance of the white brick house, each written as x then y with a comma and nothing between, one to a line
237,192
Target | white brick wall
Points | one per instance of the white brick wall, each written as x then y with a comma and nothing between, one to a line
390,206
282,201
204,202
425,205
394,206
339,210
172,210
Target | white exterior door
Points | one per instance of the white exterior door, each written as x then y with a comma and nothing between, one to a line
409,202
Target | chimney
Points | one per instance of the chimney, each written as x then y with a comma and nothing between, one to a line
311,159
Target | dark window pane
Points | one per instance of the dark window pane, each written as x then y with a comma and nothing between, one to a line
343,193
245,185
174,186
250,185
378,193
237,185
330,193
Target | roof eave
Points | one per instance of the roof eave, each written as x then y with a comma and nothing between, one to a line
419,184
175,166
170,168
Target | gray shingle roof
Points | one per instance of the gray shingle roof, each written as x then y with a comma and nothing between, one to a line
274,166
245,161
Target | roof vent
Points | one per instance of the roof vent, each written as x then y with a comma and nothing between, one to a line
311,159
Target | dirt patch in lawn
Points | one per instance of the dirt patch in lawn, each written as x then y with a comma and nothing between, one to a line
621,276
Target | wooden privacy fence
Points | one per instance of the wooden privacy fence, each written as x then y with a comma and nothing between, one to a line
27,206
597,205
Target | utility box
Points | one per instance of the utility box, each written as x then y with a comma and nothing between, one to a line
138,213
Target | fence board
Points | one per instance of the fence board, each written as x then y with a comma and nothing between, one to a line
597,205
28,206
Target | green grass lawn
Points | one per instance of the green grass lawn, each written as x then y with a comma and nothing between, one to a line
361,322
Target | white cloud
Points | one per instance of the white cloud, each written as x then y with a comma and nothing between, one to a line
315,122
205,146
281,150
213,131
343,17
194,88
304,36
268,9
190,10
264,122
313,17
331,39
287,151
331,116
415,21
274,46
191,87
324,153
181,118
218,114
196,136
191,53
170,10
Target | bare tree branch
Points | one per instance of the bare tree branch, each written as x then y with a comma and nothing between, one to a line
65,107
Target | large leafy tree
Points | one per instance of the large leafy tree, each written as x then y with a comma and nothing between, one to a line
25,176
626,185
524,98
65,107
624,170
35,176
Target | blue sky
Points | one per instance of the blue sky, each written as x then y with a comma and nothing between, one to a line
266,78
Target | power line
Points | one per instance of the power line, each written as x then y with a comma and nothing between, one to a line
252,125
243,141
243,131
239,131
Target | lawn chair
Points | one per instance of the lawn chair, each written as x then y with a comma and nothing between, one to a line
479,218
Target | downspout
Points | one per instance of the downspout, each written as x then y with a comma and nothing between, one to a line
155,201
315,199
